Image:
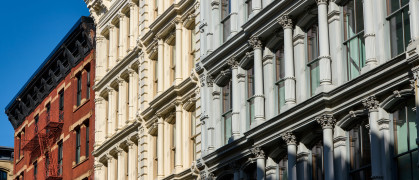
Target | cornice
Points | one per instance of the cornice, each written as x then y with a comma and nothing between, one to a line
113,11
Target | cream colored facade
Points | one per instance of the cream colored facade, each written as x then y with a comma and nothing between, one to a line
147,96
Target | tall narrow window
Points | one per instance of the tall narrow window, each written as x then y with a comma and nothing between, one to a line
280,74
36,122
317,162
47,168
61,106
249,8
48,107
250,96
155,80
173,145
227,109
225,18
360,152
173,63
405,147
398,15
88,83
193,134
77,159
19,138
87,140
78,90
354,37
35,170
313,58
60,158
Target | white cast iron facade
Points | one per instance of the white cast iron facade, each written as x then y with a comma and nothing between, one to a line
309,89
146,89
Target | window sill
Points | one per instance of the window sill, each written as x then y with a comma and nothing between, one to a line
83,102
82,160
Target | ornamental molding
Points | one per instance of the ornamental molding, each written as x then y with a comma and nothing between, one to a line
289,138
383,124
327,121
255,42
202,78
285,21
210,81
233,63
258,152
371,103
321,2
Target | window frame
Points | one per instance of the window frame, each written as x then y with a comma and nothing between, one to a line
390,15
88,83
225,20
78,146
87,142
78,90
60,158
227,113
250,87
313,60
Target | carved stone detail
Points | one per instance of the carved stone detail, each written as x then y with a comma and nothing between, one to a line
320,2
210,81
258,152
289,138
326,121
233,63
285,21
371,103
255,42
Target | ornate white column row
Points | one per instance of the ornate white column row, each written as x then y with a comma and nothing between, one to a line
178,70
209,109
291,141
133,85
260,162
327,122
235,119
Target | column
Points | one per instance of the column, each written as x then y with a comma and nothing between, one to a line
234,17
286,24
369,36
340,153
132,25
415,72
235,120
236,170
260,162
121,163
160,67
257,66
111,112
414,19
302,164
325,60
122,38
268,83
203,117
216,23
179,149
100,121
300,65
100,57
178,70
160,6
122,111
241,78
111,167
211,120
256,6
132,95
100,174
327,122
384,128
112,46
160,145
216,115
371,104
132,160
291,141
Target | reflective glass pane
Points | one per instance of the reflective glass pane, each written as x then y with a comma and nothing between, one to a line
315,77
406,27
401,132
359,15
227,127
396,30
281,94
393,5
353,58
404,167
412,127
414,160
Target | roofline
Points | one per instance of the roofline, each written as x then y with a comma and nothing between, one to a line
77,24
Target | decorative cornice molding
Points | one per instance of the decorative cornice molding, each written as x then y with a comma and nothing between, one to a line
327,121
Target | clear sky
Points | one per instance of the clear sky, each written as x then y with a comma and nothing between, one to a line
29,31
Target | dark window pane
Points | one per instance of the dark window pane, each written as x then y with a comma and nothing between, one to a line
404,167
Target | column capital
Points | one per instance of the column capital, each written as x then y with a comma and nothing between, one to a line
110,90
131,4
285,21
210,81
120,15
289,138
111,26
98,100
131,72
97,167
120,81
371,103
232,62
119,151
258,152
202,77
100,38
320,2
255,42
327,121
109,157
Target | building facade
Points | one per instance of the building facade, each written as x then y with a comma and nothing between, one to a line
147,95
309,89
6,163
53,114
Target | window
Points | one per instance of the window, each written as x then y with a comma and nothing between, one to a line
317,162
360,152
88,83
48,107
60,158
77,159
36,122
3,175
173,146
87,140
398,15
249,8
250,94
313,58
78,90
173,63
280,74
192,50
193,134
35,169
61,106
227,109
282,169
225,18
354,37
405,147
47,164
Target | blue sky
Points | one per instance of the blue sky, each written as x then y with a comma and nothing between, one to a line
29,31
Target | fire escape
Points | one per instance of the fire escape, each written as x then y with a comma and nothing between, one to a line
42,141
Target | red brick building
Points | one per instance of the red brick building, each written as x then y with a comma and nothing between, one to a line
53,114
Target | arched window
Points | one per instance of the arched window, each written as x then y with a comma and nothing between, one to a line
3,175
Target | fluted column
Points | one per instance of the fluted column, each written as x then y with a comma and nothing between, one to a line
371,104
415,72
369,35
260,162
257,66
178,70
216,113
211,121
160,145
122,38
133,27
132,160
325,60
122,103
327,122
179,139
111,112
100,121
160,67
99,170
121,163
111,167
100,57
286,24
216,23
132,95
235,125
112,46
291,141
